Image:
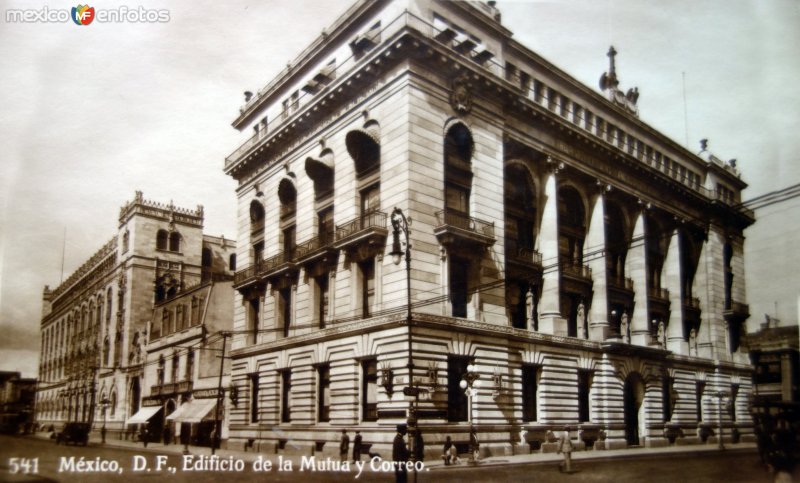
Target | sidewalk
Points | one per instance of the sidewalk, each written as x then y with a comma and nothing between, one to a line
535,458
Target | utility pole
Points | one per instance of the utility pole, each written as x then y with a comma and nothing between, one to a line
220,398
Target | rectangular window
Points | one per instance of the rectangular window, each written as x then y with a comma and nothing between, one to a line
322,299
699,388
369,390
530,391
286,396
457,402
459,273
367,268
258,251
584,387
324,394
667,401
253,315
254,398
370,199
325,225
456,198
734,395
284,310
289,240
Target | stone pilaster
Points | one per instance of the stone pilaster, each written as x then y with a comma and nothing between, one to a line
672,281
550,319
595,239
636,268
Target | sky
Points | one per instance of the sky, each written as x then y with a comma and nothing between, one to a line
90,114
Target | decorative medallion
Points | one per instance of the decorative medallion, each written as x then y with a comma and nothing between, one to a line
461,97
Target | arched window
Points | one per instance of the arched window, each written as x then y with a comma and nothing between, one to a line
126,238
232,262
174,241
108,305
364,147
458,147
118,350
106,349
162,239
616,240
321,172
287,194
113,407
175,365
571,226
520,221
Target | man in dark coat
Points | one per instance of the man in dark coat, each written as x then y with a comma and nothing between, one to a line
344,446
400,455
357,447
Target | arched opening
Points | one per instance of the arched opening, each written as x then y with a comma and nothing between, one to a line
633,400
175,242
162,239
571,236
520,236
458,148
616,240
321,173
287,194
364,147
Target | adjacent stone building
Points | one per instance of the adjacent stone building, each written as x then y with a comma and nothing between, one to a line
589,267
184,370
94,324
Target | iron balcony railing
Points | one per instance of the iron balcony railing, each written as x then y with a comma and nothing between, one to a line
315,244
373,219
247,274
185,386
658,293
570,267
691,302
620,282
464,222
520,254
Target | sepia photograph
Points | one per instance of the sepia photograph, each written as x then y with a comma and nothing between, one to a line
400,240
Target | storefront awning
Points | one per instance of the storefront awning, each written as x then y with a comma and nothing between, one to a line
178,412
143,415
195,411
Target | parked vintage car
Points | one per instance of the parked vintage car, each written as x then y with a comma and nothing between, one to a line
76,433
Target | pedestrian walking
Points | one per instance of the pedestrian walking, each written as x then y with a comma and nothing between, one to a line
144,435
400,455
448,443
357,447
565,448
344,445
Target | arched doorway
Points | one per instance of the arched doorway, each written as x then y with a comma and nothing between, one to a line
634,408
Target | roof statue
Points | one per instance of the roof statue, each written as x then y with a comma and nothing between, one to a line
609,84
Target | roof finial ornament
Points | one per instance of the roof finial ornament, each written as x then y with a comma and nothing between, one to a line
609,83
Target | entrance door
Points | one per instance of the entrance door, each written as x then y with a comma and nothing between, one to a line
633,399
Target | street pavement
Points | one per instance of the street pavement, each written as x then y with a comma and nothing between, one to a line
738,462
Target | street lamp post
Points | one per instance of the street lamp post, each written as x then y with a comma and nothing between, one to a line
400,224
470,383
104,403
720,395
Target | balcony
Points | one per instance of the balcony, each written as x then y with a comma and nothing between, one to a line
363,233
247,275
280,264
691,308
521,261
575,277
658,300
462,232
736,311
620,289
319,248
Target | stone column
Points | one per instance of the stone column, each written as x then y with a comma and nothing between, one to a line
550,319
595,239
672,281
713,337
636,268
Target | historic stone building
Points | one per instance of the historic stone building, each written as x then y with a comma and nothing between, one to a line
94,324
183,370
587,268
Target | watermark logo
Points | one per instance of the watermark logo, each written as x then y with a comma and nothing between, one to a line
85,15
82,14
